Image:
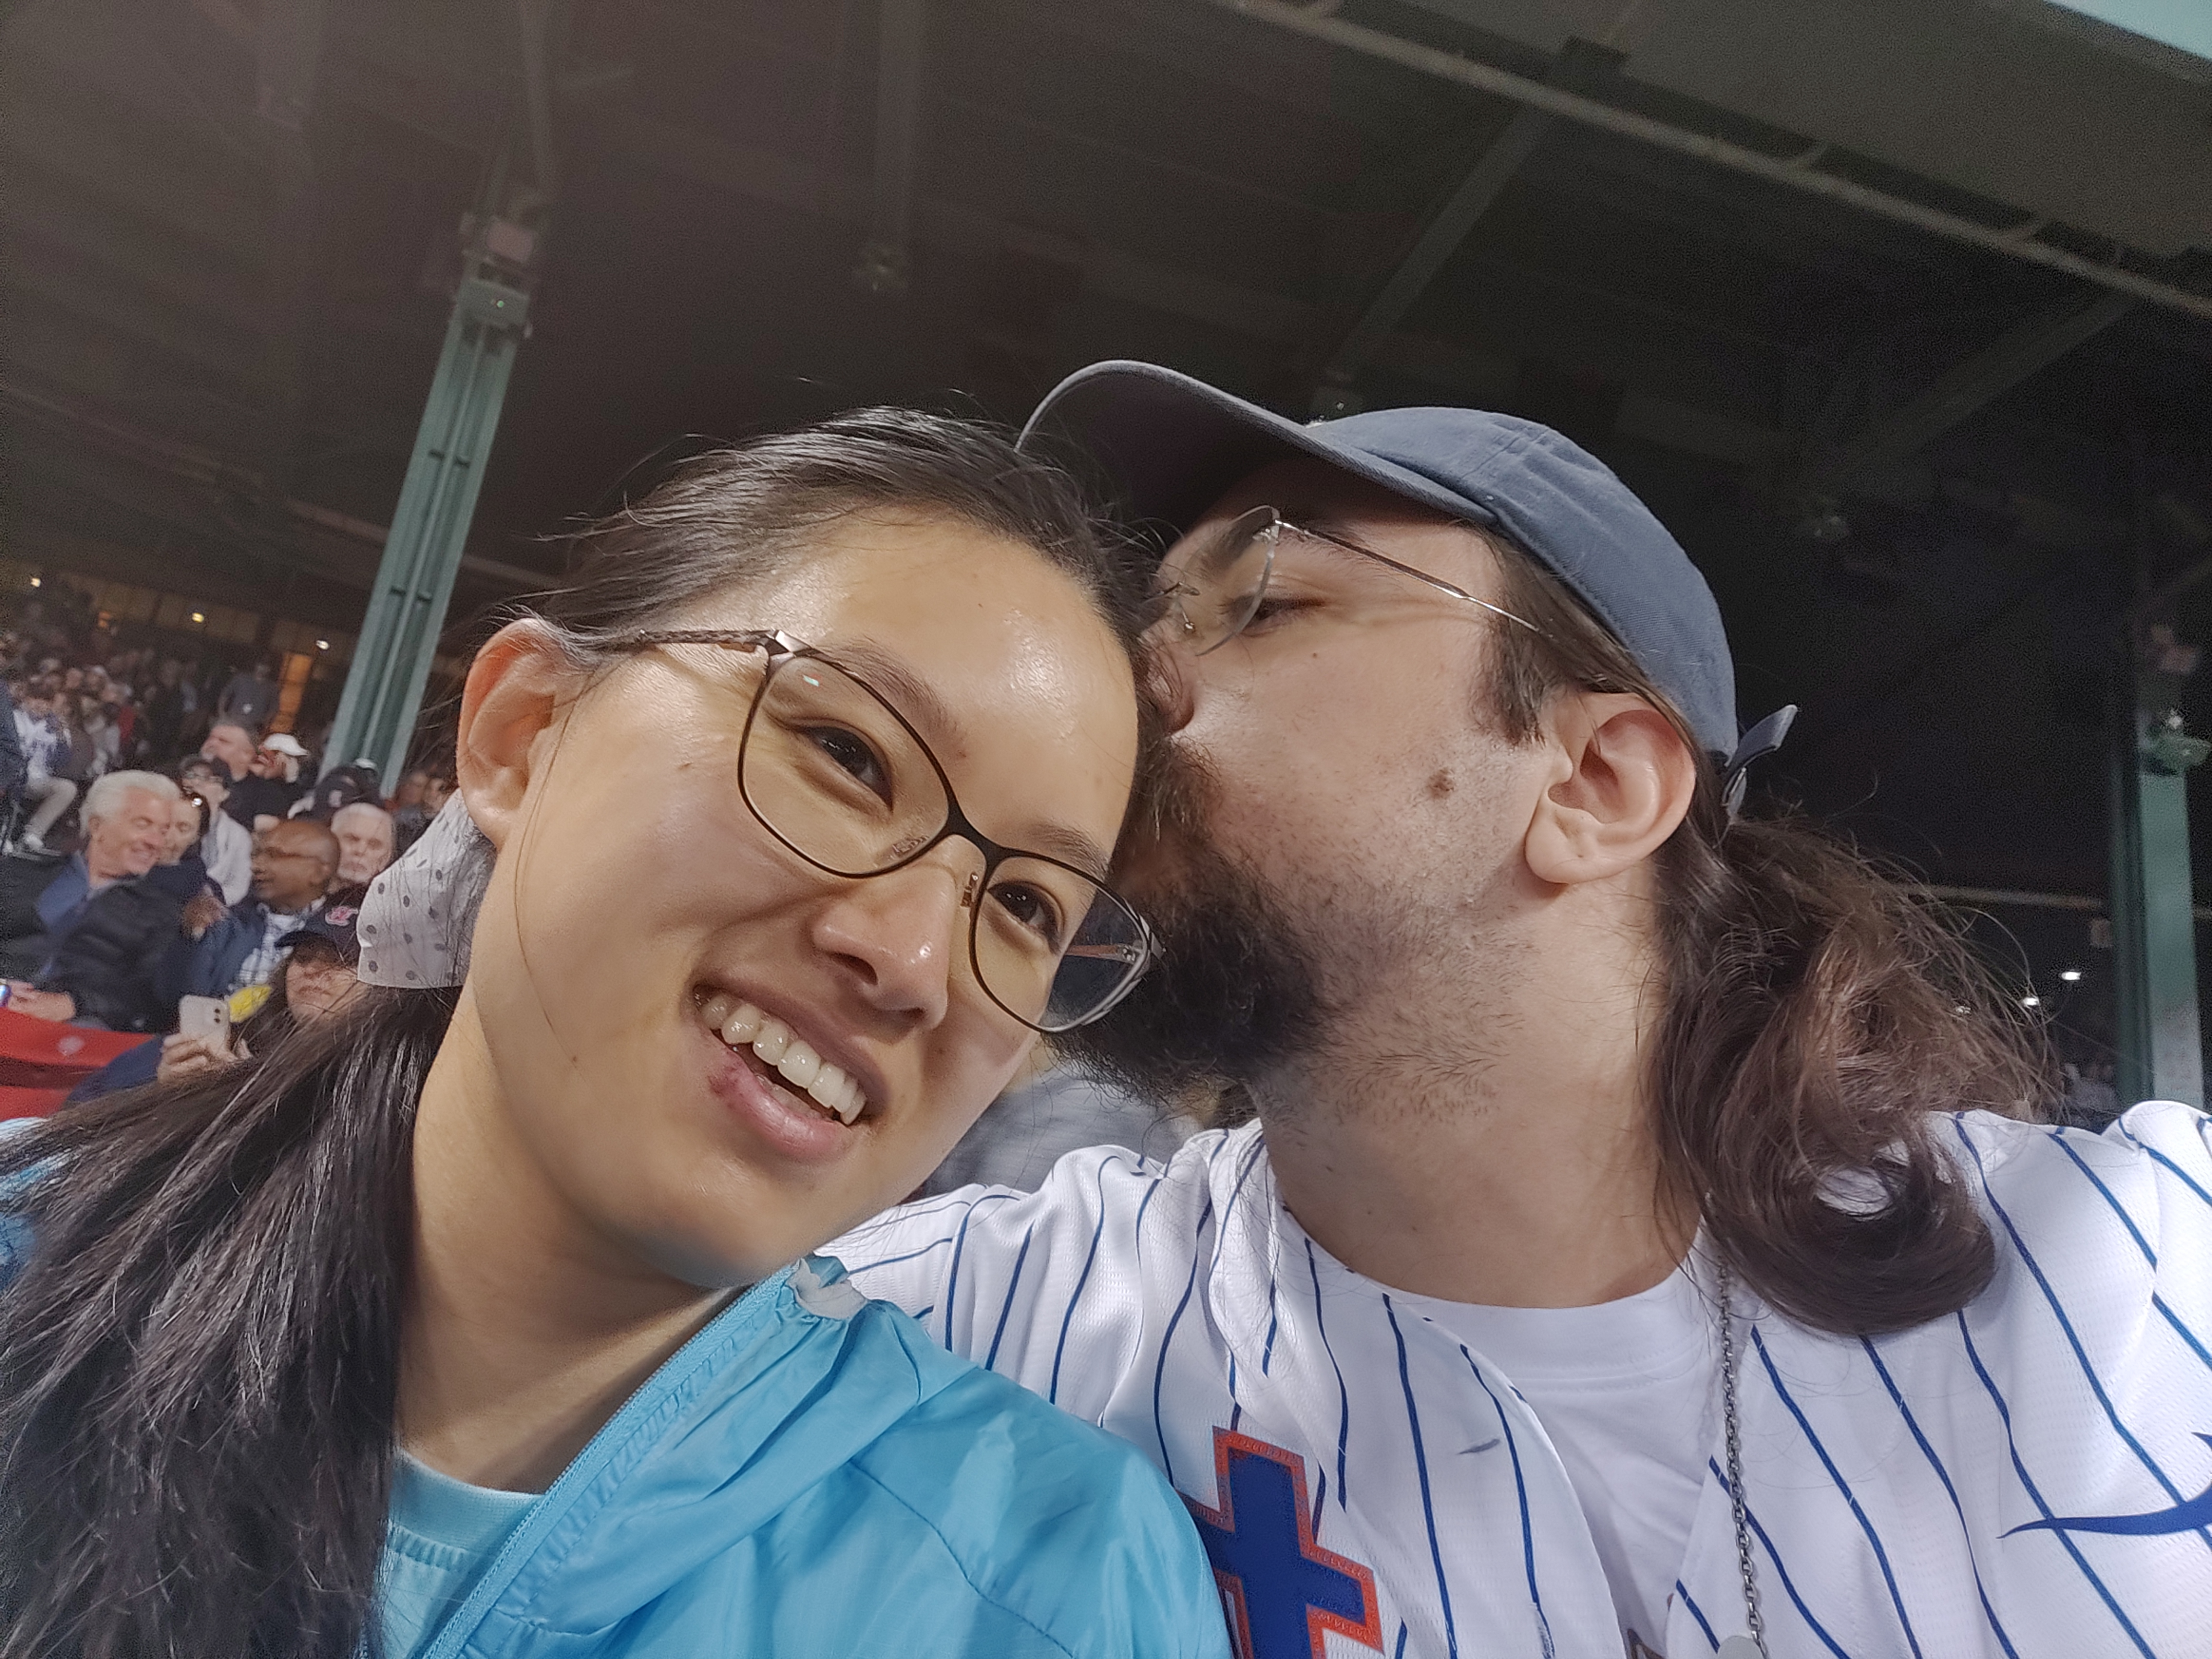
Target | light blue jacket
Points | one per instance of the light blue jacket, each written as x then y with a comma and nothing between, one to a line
812,1475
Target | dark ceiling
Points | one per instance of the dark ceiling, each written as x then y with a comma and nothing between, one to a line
226,278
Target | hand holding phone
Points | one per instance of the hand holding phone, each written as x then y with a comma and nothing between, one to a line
203,1016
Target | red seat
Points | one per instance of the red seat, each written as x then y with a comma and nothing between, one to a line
29,1102
40,1054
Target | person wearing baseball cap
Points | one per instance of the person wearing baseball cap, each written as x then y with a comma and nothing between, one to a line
1643,1234
272,787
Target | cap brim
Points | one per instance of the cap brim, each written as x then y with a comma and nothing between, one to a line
1173,445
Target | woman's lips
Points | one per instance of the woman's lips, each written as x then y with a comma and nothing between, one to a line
785,1122
786,1059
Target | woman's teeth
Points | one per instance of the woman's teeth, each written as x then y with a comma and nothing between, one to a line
742,1025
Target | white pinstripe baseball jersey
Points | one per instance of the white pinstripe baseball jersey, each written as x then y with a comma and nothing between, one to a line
2030,1479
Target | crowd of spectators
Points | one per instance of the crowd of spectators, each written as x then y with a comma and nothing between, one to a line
160,841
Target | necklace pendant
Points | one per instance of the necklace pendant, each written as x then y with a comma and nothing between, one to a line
1740,1647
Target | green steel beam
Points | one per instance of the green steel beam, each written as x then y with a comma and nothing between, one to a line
422,553
2153,920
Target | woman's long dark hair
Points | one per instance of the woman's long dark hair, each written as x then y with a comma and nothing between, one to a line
1817,1017
199,1351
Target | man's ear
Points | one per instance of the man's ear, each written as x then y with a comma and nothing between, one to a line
1628,778
509,708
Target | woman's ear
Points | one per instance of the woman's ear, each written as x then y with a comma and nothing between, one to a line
511,702
1630,779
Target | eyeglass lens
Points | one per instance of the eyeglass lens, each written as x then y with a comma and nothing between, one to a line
1214,588
839,779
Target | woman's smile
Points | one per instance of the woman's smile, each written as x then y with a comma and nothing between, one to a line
748,1050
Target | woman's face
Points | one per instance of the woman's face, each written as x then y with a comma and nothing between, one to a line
184,829
635,888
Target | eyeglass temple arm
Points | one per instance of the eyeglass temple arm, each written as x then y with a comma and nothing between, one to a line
1417,574
775,643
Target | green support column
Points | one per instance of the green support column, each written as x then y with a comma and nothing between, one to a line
422,552
2152,904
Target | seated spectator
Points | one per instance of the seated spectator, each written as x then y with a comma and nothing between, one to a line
87,935
48,795
410,793
271,787
295,863
366,843
339,787
190,817
314,981
11,748
227,849
233,747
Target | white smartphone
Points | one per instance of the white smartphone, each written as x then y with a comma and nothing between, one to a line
205,1016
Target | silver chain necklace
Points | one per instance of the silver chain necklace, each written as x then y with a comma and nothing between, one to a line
1753,1646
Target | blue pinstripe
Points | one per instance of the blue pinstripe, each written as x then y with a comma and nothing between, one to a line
2004,1412
1520,1489
959,1248
1160,1366
2066,1325
1780,1571
1690,1601
2178,1172
1006,1308
1880,1555
1944,1475
2157,1302
1343,1398
1068,1315
1421,1468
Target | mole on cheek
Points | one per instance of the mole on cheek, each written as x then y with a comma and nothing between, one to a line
1440,785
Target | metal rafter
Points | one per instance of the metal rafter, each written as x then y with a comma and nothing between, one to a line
1967,386
1801,172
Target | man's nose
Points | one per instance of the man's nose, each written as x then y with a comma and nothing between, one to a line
896,936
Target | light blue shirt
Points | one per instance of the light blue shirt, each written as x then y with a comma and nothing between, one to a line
439,1537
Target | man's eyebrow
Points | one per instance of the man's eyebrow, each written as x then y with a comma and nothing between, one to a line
1326,525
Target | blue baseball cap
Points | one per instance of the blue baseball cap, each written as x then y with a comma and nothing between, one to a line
1174,445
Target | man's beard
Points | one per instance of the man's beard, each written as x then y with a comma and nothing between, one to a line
1235,994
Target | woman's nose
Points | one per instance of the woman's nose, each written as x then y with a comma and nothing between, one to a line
897,935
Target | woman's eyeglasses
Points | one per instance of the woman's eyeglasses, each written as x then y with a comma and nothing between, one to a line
1209,594
836,774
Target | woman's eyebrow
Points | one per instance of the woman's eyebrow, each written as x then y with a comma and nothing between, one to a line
914,698
911,695
1069,846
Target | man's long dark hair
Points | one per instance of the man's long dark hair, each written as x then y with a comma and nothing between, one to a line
1818,1019
199,1350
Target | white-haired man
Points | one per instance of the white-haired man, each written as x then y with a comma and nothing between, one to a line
366,841
88,936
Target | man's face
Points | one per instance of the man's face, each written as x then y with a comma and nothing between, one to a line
231,746
268,764
364,844
1337,828
130,837
293,863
